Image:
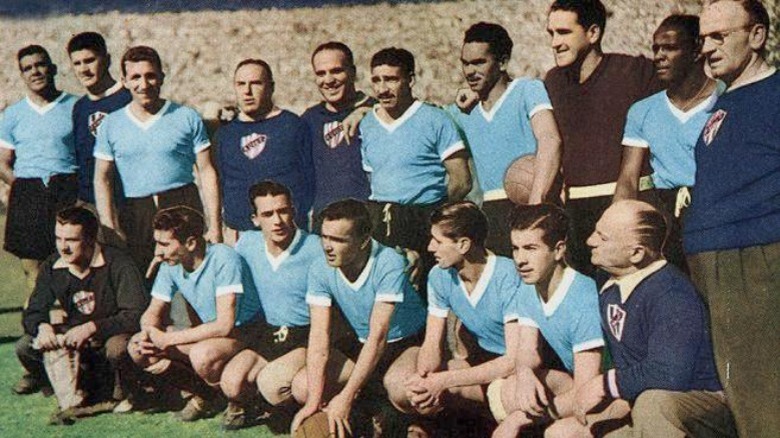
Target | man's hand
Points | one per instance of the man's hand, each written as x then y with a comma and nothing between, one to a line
352,122
338,410
530,394
142,345
306,411
426,390
213,235
465,99
158,338
76,337
47,339
587,397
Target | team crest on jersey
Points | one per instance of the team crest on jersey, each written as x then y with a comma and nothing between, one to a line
333,134
617,319
253,144
94,120
712,126
84,301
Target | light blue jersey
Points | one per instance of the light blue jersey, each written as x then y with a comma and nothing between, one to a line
41,137
499,136
281,281
670,135
490,305
155,155
222,272
383,280
570,322
405,159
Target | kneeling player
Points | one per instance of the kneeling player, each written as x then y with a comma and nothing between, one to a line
563,308
368,283
480,288
219,290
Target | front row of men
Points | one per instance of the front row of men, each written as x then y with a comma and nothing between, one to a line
266,336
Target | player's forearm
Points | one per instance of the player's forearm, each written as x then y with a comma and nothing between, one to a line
316,359
211,197
366,363
104,199
215,329
430,358
482,374
630,171
548,162
7,174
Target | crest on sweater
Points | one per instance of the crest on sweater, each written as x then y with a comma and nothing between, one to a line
253,144
712,126
94,120
333,134
84,301
617,319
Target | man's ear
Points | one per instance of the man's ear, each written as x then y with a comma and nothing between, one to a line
757,37
594,34
191,243
464,245
560,250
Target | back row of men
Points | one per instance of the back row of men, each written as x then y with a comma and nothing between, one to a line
417,159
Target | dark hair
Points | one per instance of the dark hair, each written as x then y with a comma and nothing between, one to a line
686,26
184,222
140,54
497,38
268,188
350,209
394,57
651,228
462,219
258,62
83,217
551,219
32,49
92,41
589,12
757,13
336,45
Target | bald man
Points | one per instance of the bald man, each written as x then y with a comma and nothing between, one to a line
655,325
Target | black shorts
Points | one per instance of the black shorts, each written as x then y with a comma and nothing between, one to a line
32,209
350,346
272,342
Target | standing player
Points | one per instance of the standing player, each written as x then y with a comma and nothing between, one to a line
154,144
212,279
591,92
338,171
37,159
279,256
732,229
263,142
511,118
667,125
481,289
413,153
90,61
368,283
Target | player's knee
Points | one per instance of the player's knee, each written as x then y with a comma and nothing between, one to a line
233,384
300,388
394,383
566,428
207,361
117,349
654,407
24,347
275,384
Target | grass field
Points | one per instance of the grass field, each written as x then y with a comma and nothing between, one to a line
27,416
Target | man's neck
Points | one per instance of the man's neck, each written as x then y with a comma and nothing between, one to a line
195,260
276,248
395,113
351,97
691,90
145,112
98,91
588,64
472,268
45,96
547,287
495,93
756,68
618,274
262,113
353,271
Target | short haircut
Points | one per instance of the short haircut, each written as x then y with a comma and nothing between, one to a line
338,46
589,12
32,49
651,228
184,222
350,209
83,217
549,218
92,41
756,12
686,25
258,62
140,54
497,38
394,57
268,188
462,219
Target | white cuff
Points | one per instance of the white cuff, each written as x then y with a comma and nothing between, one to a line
318,300
230,289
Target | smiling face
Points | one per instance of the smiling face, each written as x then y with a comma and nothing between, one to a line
729,42
341,245
448,252
71,245
37,72
480,67
89,66
392,87
334,77
535,261
254,89
144,80
570,41
274,214
674,55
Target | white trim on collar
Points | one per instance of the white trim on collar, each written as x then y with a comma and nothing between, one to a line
488,115
41,110
391,127
363,277
705,105
277,261
109,92
152,120
561,291
482,283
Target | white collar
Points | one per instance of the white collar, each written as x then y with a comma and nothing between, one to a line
110,92
276,261
629,283
482,284
41,110
560,293
363,277
390,127
98,260
151,121
488,115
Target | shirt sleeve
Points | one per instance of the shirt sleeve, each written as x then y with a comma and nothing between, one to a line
104,150
525,314
449,140
200,138
363,143
318,290
632,134
510,289
164,286
438,300
586,332
41,301
391,281
228,279
536,98
7,123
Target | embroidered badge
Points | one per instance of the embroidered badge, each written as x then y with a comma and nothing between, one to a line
84,301
253,144
333,134
94,120
712,126
617,318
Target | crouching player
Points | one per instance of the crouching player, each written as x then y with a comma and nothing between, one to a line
215,285
480,288
368,283
562,307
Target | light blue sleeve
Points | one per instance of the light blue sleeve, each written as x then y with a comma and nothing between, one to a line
438,299
362,129
526,294
318,291
7,124
389,284
164,286
632,134
449,139
586,331
510,286
535,98
228,278
200,139
103,148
